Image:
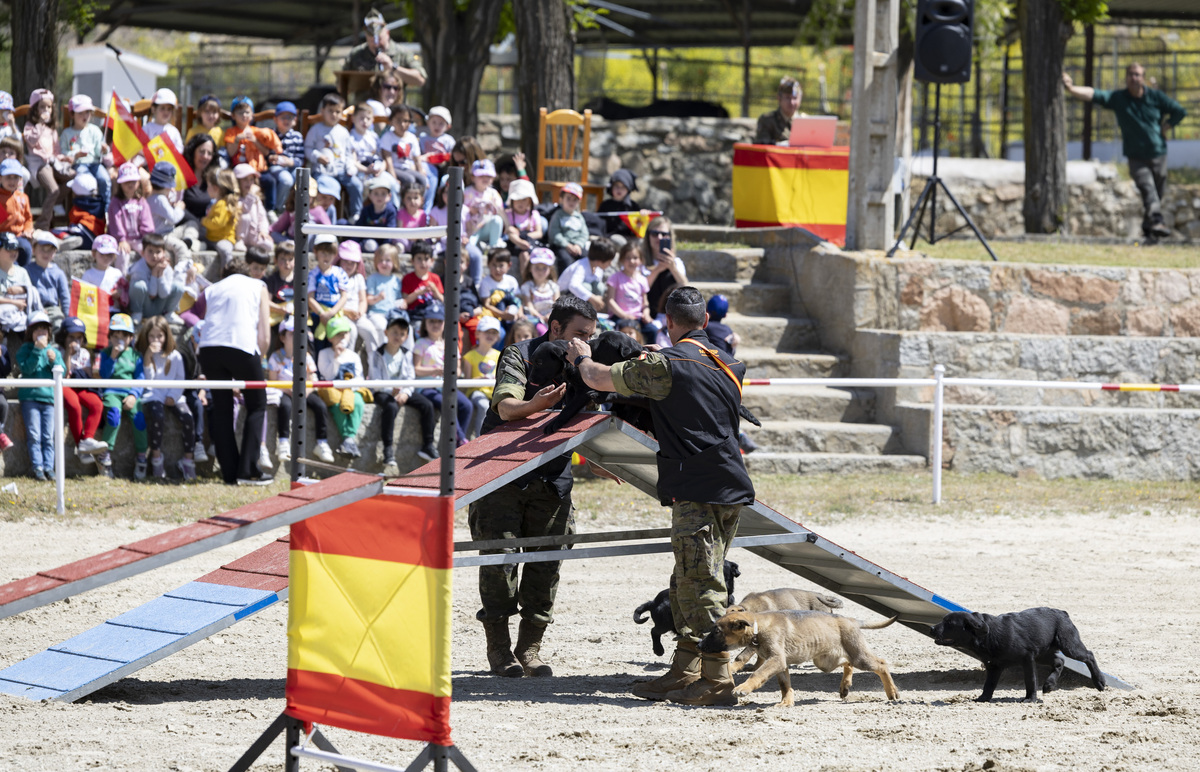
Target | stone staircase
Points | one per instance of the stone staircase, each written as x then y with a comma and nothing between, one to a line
805,428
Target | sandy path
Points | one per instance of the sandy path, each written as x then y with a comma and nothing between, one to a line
1125,580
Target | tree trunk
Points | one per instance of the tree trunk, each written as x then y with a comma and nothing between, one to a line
1044,31
35,47
545,65
455,46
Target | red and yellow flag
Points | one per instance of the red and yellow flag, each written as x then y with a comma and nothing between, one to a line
638,222
90,304
163,149
129,140
369,618
804,187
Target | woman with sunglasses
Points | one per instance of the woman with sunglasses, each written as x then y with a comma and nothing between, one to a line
664,270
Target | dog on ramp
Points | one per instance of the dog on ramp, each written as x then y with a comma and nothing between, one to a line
783,638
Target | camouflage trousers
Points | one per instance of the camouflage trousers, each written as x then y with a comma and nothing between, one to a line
700,537
513,513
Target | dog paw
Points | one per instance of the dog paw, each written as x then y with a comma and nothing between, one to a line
981,698
786,703
1030,699
742,690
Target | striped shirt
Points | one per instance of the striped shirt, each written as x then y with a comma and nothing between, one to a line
293,146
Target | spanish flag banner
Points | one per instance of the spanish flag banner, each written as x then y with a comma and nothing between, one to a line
128,137
369,618
638,222
163,149
90,304
790,186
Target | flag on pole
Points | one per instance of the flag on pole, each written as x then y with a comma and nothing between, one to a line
638,222
802,187
161,148
90,304
128,137
369,618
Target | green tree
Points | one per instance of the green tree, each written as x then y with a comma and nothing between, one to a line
38,25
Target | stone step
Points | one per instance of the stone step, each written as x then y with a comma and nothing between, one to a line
749,298
778,332
765,462
809,403
823,437
769,363
732,264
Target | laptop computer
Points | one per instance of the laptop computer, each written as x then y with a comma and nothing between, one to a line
813,131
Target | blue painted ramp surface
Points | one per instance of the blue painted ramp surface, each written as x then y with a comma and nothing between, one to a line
127,643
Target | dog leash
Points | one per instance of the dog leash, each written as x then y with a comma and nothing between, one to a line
712,354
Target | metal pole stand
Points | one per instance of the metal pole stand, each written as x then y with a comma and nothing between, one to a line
300,329
293,729
929,196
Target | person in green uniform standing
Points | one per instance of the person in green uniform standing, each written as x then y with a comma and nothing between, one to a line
1143,114
380,52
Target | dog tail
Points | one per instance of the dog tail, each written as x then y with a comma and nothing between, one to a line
639,616
878,625
829,601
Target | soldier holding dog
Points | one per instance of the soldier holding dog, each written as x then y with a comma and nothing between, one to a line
695,391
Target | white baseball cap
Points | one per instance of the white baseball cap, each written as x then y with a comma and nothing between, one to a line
164,96
488,323
45,237
325,238
442,113
522,189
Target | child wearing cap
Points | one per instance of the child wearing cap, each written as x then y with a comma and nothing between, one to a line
483,207
480,362
103,274
291,151
52,285
328,285
8,119
540,290
429,361
37,358
220,224
208,115
524,226
436,145
82,406
162,118
41,152
378,211
350,260
248,144
394,361
83,144
279,368
327,148
622,183
16,289
336,363
88,208
568,231
253,226
119,361
129,217
18,218
167,212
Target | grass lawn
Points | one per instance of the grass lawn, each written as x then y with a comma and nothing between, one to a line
1066,253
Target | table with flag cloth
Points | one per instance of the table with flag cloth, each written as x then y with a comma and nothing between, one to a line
792,186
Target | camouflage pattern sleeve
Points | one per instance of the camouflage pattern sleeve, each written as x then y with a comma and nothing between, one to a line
510,376
649,376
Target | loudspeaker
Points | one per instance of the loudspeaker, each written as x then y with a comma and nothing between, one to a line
943,44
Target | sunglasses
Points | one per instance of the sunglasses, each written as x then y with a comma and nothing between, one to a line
660,234
387,87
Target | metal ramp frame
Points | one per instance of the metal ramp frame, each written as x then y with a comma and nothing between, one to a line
127,643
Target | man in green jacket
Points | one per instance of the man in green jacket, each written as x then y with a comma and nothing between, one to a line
1143,114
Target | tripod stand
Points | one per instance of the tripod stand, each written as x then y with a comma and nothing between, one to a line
929,196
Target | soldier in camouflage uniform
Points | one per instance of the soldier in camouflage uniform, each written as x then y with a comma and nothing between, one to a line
775,127
695,390
386,55
538,504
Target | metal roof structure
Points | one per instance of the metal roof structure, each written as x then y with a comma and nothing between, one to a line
1154,10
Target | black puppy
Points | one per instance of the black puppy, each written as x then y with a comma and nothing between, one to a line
1020,638
660,609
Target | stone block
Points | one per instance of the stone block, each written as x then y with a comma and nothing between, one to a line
1105,322
955,309
1185,320
1040,317
1073,288
1172,287
1144,322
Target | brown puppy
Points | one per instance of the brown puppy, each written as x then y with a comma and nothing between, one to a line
783,599
783,638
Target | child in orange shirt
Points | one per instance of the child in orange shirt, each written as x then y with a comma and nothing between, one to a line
18,218
248,144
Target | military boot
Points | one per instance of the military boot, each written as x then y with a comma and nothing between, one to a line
529,648
685,669
715,686
499,650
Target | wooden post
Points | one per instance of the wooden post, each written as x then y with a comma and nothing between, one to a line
870,212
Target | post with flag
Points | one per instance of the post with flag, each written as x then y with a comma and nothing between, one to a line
129,140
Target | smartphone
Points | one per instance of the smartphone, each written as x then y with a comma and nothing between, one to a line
664,242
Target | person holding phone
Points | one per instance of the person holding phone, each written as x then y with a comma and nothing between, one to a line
664,271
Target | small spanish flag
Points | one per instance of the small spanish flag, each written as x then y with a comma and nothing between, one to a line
638,222
369,618
128,137
89,304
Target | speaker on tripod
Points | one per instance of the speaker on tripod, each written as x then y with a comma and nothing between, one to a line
942,54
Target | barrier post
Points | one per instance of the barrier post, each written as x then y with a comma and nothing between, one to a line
300,332
452,277
60,442
939,374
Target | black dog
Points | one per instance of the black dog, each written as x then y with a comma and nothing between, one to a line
550,365
1020,638
660,609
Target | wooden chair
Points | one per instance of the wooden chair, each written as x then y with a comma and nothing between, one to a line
564,142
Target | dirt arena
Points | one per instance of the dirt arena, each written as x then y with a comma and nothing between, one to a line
1127,581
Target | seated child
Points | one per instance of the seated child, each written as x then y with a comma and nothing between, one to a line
401,150
279,368
721,334
161,364
221,222
525,228
364,143
622,183
8,120
383,289
540,290
284,228
87,215
350,260
625,296
412,215
568,231
167,211
208,115
328,285
394,361
83,145
521,330
279,283
480,362
18,218
429,360
16,289
52,285
499,293
72,341
290,157
327,147
436,144
37,358
129,217
378,211
509,170
102,274
336,363
120,361
421,288
250,145
153,290
253,226
163,105
482,208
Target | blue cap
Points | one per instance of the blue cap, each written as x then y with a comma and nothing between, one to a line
163,175
718,306
73,324
9,242
435,310
286,107
326,185
241,100
11,166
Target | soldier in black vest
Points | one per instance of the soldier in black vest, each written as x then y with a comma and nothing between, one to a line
696,390
538,504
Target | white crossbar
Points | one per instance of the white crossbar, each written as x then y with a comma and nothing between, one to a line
337,759
366,232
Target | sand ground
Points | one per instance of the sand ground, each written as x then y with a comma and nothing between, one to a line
1127,581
